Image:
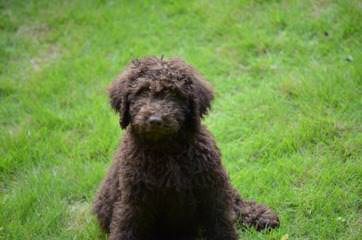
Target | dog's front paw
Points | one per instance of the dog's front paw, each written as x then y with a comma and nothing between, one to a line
252,214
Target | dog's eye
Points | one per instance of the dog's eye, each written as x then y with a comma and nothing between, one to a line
165,95
173,95
142,93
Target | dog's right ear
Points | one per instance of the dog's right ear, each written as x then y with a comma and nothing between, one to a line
118,97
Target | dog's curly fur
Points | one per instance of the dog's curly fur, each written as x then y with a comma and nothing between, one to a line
167,180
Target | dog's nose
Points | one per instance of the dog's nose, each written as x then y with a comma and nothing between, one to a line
155,120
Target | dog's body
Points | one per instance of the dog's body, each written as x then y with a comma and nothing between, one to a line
167,180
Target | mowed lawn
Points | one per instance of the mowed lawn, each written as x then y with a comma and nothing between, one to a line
287,114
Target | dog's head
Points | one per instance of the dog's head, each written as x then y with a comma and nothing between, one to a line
158,98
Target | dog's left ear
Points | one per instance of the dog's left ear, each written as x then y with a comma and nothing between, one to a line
203,94
201,98
118,97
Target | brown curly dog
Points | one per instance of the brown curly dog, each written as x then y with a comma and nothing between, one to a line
167,180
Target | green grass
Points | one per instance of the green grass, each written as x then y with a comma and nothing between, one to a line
287,114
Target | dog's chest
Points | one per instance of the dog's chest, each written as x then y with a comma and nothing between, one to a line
167,184
169,173
175,208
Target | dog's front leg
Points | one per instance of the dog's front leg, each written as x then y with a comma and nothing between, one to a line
122,225
129,222
105,198
219,227
216,217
